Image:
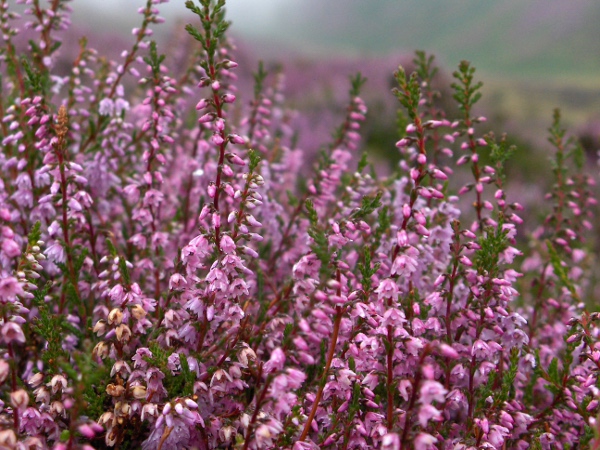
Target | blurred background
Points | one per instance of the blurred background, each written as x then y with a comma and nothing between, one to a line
532,56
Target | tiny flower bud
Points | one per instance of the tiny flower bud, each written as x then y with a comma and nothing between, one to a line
212,190
202,104
138,392
235,139
19,399
217,139
235,159
115,317
228,98
115,390
209,117
402,143
229,64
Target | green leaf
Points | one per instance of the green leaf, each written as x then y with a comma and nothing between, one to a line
35,234
368,205
553,373
259,78
560,271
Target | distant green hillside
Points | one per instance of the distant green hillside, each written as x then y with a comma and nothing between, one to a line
507,37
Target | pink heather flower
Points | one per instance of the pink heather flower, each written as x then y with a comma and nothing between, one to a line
428,412
236,139
235,159
209,117
239,288
402,238
4,370
212,191
480,349
228,98
432,391
357,116
106,107
203,103
9,289
403,143
438,174
390,441
227,244
465,261
228,64
252,221
425,441
19,399
275,362
11,248
497,435
578,255
413,346
177,282
387,289
405,264
56,253
12,332
421,230
217,139
89,430
434,123
121,105
448,351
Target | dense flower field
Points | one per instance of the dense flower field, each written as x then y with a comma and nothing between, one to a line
170,278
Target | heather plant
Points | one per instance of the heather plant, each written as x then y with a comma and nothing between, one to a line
171,279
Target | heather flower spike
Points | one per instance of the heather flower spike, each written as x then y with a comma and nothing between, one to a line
174,275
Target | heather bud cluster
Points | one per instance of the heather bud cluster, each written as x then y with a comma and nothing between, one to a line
171,277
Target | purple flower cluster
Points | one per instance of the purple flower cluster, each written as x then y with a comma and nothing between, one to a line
169,278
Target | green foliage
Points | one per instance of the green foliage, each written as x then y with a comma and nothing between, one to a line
408,93
254,160
123,269
367,269
50,328
182,383
259,78
500,153
35,234
320,245
36,81
560,270
424,65
492,243
287,335
90,381
507,391
356,82
212,17
154,60
363,162
466,93
368,206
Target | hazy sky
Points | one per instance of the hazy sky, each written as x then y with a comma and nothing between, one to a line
248,16
512,36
